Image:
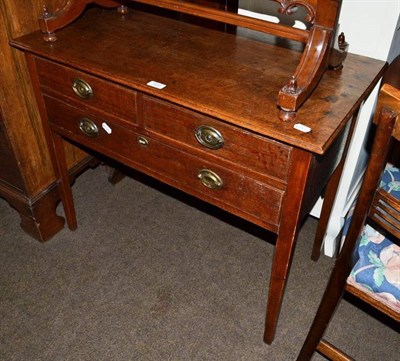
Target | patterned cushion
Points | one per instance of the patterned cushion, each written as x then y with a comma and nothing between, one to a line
390,181
377,271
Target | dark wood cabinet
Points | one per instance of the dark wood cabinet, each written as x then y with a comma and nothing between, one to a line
10,173
27,181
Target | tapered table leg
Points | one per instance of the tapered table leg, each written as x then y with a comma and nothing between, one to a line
286,240
64,187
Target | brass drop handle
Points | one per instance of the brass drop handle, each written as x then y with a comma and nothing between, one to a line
210,179
82,89
209,137
88,127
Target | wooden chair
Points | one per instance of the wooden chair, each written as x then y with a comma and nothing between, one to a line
378,205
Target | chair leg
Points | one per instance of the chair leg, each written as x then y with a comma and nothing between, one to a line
332,352
330,300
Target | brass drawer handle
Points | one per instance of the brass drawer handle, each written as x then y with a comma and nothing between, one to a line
143,141
209,137
88,127
82,89
210,179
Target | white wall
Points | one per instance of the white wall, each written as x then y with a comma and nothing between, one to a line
369,27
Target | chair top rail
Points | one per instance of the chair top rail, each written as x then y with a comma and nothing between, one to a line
390,98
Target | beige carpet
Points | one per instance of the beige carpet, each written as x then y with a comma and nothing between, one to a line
148,276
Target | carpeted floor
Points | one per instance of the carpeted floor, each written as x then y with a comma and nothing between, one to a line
148,276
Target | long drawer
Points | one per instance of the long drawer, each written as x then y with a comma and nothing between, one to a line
211,181
86,91
217,138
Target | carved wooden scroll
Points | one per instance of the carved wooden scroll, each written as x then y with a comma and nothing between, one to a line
322,16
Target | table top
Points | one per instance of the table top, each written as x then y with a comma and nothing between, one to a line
235,78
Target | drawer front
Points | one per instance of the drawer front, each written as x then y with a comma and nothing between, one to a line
87,91
208,180
252,151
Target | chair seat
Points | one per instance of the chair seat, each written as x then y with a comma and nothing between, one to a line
390,181
377,271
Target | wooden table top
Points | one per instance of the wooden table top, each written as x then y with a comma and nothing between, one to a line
231,77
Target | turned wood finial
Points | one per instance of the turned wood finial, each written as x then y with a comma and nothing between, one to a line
292,87
339,54
46,13
50,22
48,36
342,41
123,9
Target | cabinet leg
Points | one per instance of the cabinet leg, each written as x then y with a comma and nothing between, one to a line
40,219
38,215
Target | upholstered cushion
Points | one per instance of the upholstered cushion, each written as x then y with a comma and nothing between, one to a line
390,181
377,270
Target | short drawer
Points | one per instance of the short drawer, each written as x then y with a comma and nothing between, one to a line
204,178
87,90
214,182
89,129
231,143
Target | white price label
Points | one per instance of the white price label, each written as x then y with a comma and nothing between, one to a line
156,84
303,128
107,128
